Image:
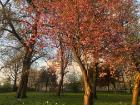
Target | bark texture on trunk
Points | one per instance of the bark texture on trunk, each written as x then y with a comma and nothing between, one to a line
88,96
21,92
89,86
89,80
88,91
136,89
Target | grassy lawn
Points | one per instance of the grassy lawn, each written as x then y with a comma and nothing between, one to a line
65,99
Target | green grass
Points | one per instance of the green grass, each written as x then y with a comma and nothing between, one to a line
65,99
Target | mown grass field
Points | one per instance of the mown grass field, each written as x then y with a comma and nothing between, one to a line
65,99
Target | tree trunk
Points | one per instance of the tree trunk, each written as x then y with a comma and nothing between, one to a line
89,89
63,66
47,85
15,77
60,84
136,89
88,79
89,86
108,87
114,85
88,96
21,92
95,77
15,84
95,92
62,76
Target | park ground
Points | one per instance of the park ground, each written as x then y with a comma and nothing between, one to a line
65,99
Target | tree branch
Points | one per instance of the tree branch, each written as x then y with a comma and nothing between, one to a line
13,31
36,58
6,2
1,68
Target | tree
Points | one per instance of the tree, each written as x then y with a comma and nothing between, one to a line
74,82
49,77
91,29
44,77
136,88
97,30
7,83
13,71
11,57
132,41
64,57
7,18
33,78
107,76
26,34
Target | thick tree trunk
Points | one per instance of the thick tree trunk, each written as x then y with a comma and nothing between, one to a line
89,85
21,92
89,89
88,78
136,89
88,96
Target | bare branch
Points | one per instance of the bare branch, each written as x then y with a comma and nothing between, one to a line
1,68
9,21
6,2
8,30
38,57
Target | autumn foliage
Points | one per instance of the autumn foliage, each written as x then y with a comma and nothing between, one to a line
90,29
100,27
